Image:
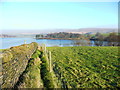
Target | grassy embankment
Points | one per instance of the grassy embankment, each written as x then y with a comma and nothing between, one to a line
47,73
86,67
31,77
37,74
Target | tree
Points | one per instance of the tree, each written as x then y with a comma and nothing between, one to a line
113,39
99,39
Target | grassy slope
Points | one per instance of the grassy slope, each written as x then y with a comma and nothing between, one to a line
86,67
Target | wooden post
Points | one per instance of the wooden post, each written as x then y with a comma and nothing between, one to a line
45,48
24,41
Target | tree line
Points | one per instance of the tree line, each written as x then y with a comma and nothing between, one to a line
112,39
61,35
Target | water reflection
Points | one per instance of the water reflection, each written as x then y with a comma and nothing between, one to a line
9,42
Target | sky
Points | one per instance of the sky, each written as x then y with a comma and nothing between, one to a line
23,17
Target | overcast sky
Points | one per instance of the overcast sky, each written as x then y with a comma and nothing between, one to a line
30,16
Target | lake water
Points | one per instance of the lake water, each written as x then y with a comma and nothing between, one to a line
9,42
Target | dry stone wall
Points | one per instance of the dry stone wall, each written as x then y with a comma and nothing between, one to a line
14,62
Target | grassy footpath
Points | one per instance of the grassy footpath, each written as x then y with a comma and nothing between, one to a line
86,67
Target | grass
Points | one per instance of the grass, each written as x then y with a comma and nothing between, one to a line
46,75
1,50
31,76
74,67
18,51
37,74
86,67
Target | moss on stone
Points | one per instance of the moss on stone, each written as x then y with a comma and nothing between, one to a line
7,56
18,51
14,62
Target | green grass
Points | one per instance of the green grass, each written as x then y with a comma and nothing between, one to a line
31,76
18,51
46,75
86,67
1,50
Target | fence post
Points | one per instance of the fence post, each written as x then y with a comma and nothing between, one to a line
45,48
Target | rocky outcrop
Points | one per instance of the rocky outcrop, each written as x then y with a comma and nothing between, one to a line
14,62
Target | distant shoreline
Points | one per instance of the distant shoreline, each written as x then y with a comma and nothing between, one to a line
60,38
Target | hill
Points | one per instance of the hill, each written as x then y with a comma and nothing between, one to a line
93,30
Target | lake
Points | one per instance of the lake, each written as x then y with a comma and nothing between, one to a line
9,42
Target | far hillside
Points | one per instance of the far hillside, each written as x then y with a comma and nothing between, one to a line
95,30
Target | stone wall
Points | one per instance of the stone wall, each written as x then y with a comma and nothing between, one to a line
14,62
31,77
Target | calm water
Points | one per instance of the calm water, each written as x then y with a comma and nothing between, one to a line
9,42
